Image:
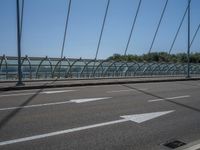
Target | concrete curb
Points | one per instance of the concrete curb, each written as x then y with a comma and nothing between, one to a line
10,88
89,79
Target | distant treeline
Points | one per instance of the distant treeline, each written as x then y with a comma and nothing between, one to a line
158,57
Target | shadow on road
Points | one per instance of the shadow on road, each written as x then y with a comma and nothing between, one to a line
159,97
12,114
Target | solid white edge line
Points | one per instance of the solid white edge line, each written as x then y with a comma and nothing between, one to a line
170,98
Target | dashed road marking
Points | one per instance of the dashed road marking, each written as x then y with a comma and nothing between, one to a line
53,92
89,99
129,90
170,98
119,91
57,103
44,92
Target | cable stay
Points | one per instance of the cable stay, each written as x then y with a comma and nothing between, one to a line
132,28
163,12
66,27
100,37
102,29
193,38
182,20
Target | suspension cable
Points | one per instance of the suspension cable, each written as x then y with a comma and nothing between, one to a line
102,29
193,38
176,35
133,25
163,12
66,27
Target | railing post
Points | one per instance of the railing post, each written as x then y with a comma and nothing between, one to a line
19,83
188,50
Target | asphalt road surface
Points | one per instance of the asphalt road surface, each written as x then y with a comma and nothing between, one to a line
111,117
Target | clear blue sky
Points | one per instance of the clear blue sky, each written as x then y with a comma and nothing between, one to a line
44,22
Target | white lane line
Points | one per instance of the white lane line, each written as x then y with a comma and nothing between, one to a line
119,91
59,132
56,103
177,97
21,91
37,105
129,90
88,99
170,98
44,92
58,88
138,118
101,86
31,92
53,92
19,94
46,89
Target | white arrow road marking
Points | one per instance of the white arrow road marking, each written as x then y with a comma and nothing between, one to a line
57,103
138,118
44,92
170,98
88,99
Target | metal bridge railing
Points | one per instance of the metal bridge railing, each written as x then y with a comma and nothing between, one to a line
50,68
